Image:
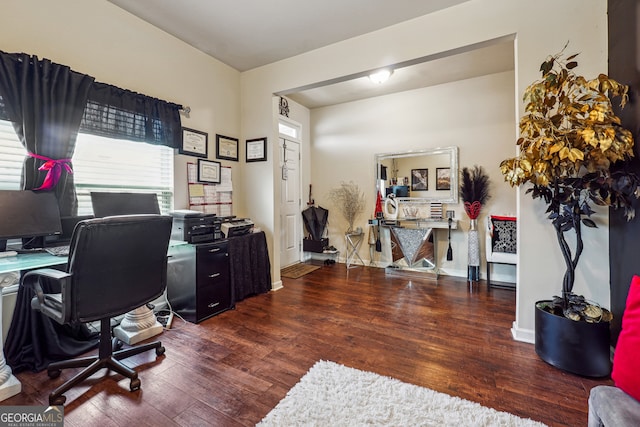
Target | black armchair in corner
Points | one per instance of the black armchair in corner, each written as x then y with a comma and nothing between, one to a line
116,264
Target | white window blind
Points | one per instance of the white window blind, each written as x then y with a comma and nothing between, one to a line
11,157
100,164
105,164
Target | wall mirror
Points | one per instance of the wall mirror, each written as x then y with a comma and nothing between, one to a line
420,176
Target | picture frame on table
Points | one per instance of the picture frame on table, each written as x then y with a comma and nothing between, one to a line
226,148
443,178
256,150
209,171
194,143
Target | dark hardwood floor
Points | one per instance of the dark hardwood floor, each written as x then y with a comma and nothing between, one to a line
232,369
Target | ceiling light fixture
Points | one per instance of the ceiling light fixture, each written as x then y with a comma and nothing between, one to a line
380,76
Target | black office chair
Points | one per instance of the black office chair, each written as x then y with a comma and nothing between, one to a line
116,264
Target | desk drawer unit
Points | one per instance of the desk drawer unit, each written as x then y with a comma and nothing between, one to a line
198,281
212,280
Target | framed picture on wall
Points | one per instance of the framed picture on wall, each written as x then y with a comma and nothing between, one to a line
226,147
209,171
194,143
256,150
419,179
443,178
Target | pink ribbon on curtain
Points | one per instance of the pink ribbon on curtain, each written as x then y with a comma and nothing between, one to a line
54,168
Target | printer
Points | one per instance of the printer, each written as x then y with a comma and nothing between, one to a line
195,226
232,227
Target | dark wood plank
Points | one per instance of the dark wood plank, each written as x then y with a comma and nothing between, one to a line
232,369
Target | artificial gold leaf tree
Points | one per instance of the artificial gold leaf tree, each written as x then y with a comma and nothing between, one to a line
574,152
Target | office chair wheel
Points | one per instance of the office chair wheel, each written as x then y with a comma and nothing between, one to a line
160,351
53,373
116,344
135,384
55,401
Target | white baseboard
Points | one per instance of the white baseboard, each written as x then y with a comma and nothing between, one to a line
453,272
523,335
276,285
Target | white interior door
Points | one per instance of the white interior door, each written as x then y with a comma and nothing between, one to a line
291,216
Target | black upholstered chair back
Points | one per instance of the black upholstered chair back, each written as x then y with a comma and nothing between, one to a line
117,264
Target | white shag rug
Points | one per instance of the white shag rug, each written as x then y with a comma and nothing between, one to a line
335,395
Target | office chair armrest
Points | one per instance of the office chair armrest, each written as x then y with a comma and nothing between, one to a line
32,280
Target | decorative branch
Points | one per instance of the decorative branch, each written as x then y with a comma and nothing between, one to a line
350,200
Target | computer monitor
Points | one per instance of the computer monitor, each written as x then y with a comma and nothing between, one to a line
27,215
400,190
109,204
68,225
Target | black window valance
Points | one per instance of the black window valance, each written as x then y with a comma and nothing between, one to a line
119,113
46,101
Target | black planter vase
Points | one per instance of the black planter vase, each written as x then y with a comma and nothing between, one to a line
578,347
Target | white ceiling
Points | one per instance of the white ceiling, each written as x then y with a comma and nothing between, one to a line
247,34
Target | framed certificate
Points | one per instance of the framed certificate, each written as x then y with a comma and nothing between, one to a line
194,143
208,171
226,147
256,150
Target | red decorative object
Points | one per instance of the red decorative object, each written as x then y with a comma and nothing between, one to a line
472,209
378,212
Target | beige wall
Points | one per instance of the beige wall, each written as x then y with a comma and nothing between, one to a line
97,38
583,22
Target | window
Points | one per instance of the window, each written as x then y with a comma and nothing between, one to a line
105,164
100,164
11,157
288,130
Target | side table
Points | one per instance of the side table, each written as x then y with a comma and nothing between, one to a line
353,241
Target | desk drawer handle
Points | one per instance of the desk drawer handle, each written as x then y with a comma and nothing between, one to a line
214,250
214,275
213,304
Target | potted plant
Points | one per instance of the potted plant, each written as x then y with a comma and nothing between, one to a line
574,153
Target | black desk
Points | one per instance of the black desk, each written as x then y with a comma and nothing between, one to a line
34,340
206,279
249,264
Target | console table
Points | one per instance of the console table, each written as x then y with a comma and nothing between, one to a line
413,247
